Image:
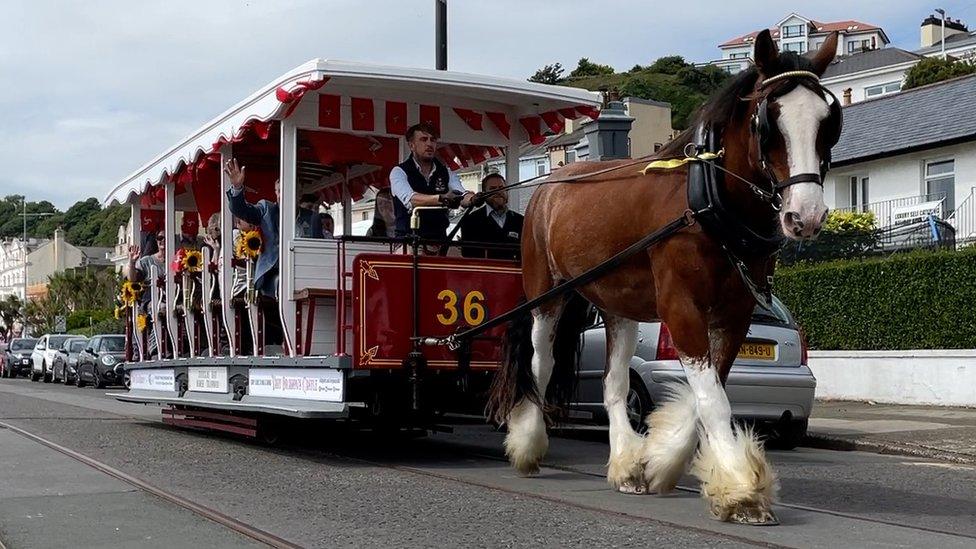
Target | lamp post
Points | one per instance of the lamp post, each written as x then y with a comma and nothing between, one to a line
941,12
23,245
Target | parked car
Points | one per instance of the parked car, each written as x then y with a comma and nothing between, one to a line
16,358
769,385
100,363
65,367
43,356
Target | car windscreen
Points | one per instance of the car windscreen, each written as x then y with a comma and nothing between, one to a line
55,342
774,314
22,344
112,344
77,345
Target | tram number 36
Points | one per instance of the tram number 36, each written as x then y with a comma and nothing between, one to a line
472,308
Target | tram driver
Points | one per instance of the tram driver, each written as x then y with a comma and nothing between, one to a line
423,180
493,223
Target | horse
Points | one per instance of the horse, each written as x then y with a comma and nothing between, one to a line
776,126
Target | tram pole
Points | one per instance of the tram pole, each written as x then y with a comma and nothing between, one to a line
440,33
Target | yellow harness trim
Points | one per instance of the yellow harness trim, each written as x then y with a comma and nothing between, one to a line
673,163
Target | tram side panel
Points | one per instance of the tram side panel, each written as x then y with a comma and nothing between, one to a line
454,293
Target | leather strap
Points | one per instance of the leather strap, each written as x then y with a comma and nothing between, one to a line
799,178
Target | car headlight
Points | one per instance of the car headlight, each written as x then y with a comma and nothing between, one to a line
109,360
71,369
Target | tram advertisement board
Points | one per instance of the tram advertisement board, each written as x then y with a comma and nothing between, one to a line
454,293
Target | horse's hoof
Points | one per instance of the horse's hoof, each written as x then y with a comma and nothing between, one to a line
632,489
754,516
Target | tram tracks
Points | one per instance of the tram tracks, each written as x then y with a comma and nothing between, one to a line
457,450
252,532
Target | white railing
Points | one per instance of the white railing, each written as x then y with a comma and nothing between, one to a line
898,210
963,219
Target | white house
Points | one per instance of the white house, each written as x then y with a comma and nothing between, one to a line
12,253
797,33
915,150
869,74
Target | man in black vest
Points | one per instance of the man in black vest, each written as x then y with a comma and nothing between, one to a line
494,223
423,180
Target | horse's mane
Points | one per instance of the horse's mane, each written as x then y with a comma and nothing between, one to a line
726,104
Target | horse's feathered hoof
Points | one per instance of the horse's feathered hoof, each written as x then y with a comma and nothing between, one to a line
633,489
754,516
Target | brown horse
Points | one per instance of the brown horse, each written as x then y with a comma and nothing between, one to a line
776,133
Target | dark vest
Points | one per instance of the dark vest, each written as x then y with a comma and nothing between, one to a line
433,223
478,226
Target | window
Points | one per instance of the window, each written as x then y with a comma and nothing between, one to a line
855,46
882,89
859,193
798,47
792,31
365,216
540,167
570,156
742,55
940,183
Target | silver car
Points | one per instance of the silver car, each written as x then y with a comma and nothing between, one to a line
769,384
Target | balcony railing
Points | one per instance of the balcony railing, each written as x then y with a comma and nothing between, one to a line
963,219
900,210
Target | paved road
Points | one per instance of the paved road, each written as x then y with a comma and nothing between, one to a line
330,487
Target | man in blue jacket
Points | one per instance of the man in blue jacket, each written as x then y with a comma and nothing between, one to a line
264,214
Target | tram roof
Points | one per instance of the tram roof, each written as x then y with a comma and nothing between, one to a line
278,99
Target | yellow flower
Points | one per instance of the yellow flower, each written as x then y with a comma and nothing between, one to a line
130,292
248,245
118,313
141,322
193,261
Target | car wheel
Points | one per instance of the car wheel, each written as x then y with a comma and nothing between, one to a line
45,373
788,435
66,380
79,382
54,374
98,383
33,375
638,403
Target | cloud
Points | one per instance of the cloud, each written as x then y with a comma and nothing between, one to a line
94,90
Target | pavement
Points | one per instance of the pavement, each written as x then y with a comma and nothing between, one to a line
935,432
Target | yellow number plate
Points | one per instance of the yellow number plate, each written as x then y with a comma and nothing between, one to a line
758,351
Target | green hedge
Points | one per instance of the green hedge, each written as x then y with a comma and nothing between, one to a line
921,300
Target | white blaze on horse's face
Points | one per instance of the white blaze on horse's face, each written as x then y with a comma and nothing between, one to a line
801,112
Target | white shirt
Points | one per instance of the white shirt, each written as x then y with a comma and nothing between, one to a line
401,188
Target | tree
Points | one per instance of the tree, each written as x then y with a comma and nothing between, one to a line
935,69
669,64
706,80
550,74
587,68
11,312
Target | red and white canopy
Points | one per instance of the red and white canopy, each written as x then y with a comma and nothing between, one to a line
373,105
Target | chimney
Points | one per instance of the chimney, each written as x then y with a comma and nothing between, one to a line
931,32
847,97
608,135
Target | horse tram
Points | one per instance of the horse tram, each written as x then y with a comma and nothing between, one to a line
374,328
345,338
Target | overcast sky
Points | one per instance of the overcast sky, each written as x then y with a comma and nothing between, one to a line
92,90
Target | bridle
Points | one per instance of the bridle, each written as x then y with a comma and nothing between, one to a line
762,129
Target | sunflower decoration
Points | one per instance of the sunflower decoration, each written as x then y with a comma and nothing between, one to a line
248,245
130,292
118,312
141,322
192,261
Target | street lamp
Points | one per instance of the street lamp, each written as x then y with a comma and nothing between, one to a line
941,12
23,246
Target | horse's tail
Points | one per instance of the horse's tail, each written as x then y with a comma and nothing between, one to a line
514,381
566,349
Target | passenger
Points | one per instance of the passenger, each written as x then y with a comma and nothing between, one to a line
189,236
384,220
423,180
328,225
139,269
493,223
308,222
264,214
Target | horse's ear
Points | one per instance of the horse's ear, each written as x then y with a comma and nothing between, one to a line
766,54
825,55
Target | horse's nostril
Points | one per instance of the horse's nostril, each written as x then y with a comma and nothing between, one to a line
797,231
823,218
794,219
